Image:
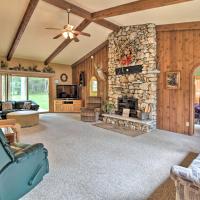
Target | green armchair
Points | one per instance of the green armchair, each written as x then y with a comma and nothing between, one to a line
22,167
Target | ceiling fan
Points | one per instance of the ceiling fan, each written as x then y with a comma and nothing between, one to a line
68,31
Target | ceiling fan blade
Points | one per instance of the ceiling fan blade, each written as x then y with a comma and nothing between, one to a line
81,33
54,29
57,36
76,39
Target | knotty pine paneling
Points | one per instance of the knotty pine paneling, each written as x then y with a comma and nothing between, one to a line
100,58
176,51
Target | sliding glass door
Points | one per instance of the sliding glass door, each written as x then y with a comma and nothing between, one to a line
38,91
18,88
3,87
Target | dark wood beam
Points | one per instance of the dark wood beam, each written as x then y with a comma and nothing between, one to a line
82,13
102,45
179,26
134,7
74,9
25,20
66,42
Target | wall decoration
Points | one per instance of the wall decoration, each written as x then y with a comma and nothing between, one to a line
48,69
101,74
126,54
129,70
34,68
173,80
82,81
3,65
63,77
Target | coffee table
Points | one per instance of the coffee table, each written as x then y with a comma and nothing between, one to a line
27,118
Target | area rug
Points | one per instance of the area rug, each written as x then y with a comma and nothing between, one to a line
118,129
167,191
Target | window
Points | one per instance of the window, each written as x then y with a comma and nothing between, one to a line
38,91
93,86
3,87
17,88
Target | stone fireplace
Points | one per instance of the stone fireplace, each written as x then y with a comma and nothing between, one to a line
134,46
127,102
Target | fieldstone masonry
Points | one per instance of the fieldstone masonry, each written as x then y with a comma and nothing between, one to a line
141,40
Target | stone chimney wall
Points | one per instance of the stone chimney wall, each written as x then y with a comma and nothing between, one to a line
140,42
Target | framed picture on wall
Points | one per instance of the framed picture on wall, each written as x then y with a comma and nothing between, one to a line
173,80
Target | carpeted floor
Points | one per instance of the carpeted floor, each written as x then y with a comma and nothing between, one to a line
167,191
91,163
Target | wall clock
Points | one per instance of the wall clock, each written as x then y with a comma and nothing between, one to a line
63,77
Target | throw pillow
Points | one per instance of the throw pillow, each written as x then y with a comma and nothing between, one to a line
27,105
6,106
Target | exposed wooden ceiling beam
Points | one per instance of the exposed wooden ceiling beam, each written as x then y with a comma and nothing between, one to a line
179,26
82,13
102,45
74,9
66,42
25,20
134,7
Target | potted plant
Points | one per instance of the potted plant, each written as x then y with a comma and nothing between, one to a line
108,107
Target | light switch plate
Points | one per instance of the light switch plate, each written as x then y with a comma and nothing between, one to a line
187,124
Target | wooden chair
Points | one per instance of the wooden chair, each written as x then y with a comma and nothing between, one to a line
91,112
11,129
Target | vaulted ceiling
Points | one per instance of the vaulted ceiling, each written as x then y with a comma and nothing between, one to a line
37,43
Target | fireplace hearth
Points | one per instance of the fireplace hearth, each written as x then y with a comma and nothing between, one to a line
127,102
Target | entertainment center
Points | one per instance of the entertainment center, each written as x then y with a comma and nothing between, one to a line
67,99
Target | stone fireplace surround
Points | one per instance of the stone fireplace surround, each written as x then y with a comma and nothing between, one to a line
141,39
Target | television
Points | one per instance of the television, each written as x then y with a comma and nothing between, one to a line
67,92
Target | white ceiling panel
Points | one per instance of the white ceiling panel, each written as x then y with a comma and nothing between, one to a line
11,13
183,12
96,5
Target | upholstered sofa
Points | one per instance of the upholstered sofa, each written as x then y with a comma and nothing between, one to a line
17,105
187,180
22,167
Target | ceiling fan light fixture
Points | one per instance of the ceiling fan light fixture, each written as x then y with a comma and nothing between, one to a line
68,35
71,35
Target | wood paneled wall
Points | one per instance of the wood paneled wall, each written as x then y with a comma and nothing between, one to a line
177,51
100,58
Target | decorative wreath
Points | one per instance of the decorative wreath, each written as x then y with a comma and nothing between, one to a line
63,77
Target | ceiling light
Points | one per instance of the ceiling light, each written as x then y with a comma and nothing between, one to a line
68,35
71,35
65,35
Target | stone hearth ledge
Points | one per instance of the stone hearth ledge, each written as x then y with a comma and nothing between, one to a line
130,123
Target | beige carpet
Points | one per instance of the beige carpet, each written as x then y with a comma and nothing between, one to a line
167,191
120,130
91,163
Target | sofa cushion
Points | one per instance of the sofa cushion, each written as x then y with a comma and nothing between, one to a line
7,106
20,104
27,105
